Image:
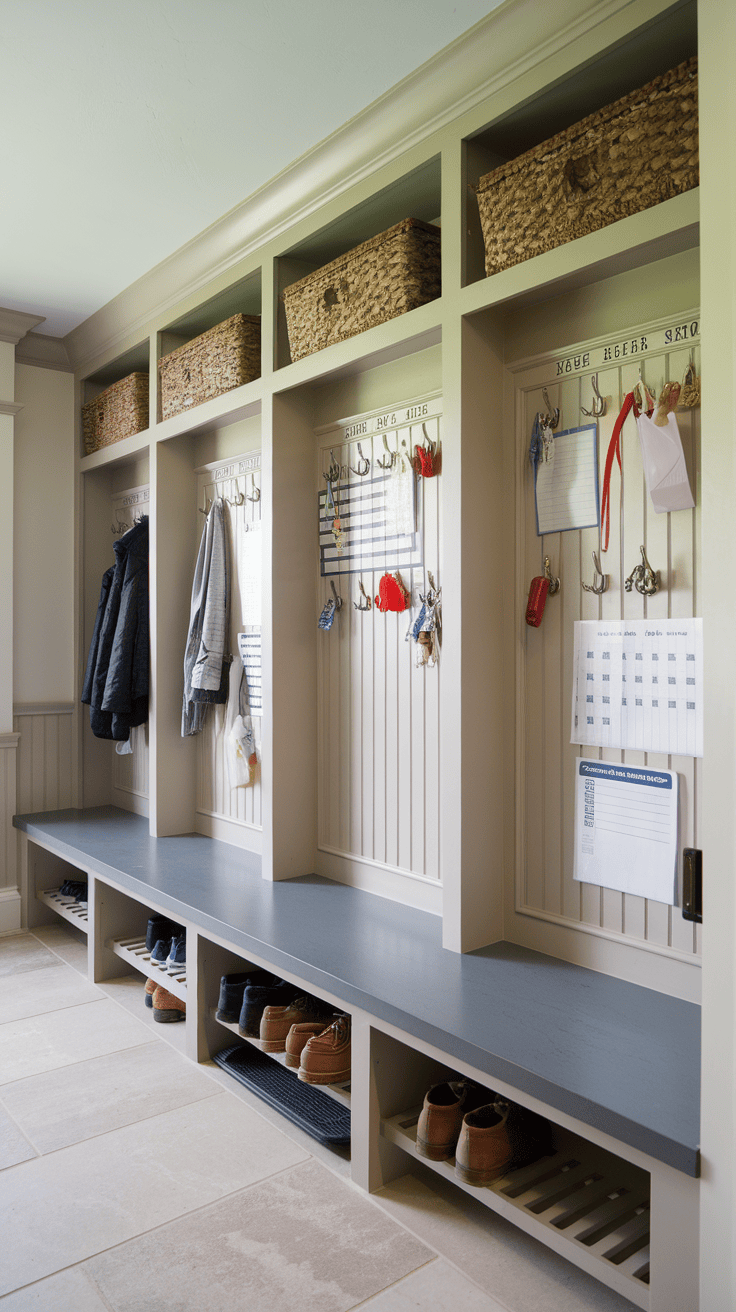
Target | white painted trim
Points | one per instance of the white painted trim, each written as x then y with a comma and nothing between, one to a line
43,708
43,352
9,741
9,910
236,832
614,936
14,324
9,407
648,329
454,82
385,881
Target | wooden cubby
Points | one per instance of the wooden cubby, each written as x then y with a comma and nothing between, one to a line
468,345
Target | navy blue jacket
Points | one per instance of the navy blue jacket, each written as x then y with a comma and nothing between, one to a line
116,679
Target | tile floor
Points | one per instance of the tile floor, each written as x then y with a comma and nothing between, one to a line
131,1179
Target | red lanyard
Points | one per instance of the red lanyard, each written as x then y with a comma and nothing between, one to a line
614,449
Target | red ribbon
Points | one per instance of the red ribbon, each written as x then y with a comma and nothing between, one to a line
614,449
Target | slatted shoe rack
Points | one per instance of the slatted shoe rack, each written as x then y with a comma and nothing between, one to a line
405,850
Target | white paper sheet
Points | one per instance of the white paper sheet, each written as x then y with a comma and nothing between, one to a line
639,684
249,575
566,487
249,647
626,829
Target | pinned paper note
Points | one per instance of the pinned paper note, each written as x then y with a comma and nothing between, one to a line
626,829
566,487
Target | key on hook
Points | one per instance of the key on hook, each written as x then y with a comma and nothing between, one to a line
333,472
643,577
553,416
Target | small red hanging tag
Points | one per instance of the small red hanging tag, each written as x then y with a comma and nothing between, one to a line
423,461
537,599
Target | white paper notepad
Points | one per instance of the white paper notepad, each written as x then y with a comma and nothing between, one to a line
566,486
626,829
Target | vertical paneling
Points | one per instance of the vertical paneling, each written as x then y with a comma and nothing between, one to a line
8,789
215,795
378,746
44,758
545,884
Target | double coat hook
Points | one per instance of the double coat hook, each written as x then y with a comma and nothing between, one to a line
597,587
643,577
598,407
552,418
364,464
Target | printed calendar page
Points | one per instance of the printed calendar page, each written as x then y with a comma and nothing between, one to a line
639,684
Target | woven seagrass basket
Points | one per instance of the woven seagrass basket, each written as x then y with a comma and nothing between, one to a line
118,412
378,280
224,357
625,158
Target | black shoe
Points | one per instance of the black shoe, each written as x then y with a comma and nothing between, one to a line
159,927
232,988
255,1000
160,952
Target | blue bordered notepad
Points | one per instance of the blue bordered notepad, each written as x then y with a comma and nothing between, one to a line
566,488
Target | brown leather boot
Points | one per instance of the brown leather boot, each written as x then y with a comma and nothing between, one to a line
149,991
326,1056
298,1036
439,1124
277,1021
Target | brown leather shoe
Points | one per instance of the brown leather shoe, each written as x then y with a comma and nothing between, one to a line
149,991
277,1021
167,1007
297,1037
439,1124
499,1138
326,1056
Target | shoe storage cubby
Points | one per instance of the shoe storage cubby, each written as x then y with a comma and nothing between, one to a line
43,878
583,1201
216,961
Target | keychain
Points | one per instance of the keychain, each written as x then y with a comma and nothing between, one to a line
392,595
541,587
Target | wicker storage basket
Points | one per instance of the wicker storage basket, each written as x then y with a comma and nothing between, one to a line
625,158
226,356
384,277
118,412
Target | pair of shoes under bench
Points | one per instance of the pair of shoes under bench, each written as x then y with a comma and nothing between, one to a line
171,953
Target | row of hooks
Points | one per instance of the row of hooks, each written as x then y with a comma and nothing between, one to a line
689,397
642,577
385,462
239,499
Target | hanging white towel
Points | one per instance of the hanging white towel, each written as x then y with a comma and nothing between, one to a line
665,470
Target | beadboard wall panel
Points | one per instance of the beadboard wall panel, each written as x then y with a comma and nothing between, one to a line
45,757
379,741
233,814
545,888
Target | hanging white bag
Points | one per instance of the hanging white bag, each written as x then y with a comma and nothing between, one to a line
663,458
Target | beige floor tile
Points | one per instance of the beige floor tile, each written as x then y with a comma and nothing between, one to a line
436,1286
303,1241
14,1147
69,1291
45,1043
63,1107
51,988
66,942
105,1191
521,1272
22,952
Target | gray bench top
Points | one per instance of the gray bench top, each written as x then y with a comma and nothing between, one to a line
620,1057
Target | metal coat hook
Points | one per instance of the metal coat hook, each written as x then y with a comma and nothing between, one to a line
387,461
552,417
206,508
365,601
338,598
256,494
642,396
595,586
554,583
333,472
599,404
364,464
643,577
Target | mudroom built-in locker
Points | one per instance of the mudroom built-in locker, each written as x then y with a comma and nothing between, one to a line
409,845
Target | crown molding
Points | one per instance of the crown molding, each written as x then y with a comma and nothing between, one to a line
10,408
43,352
490,56
14,324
